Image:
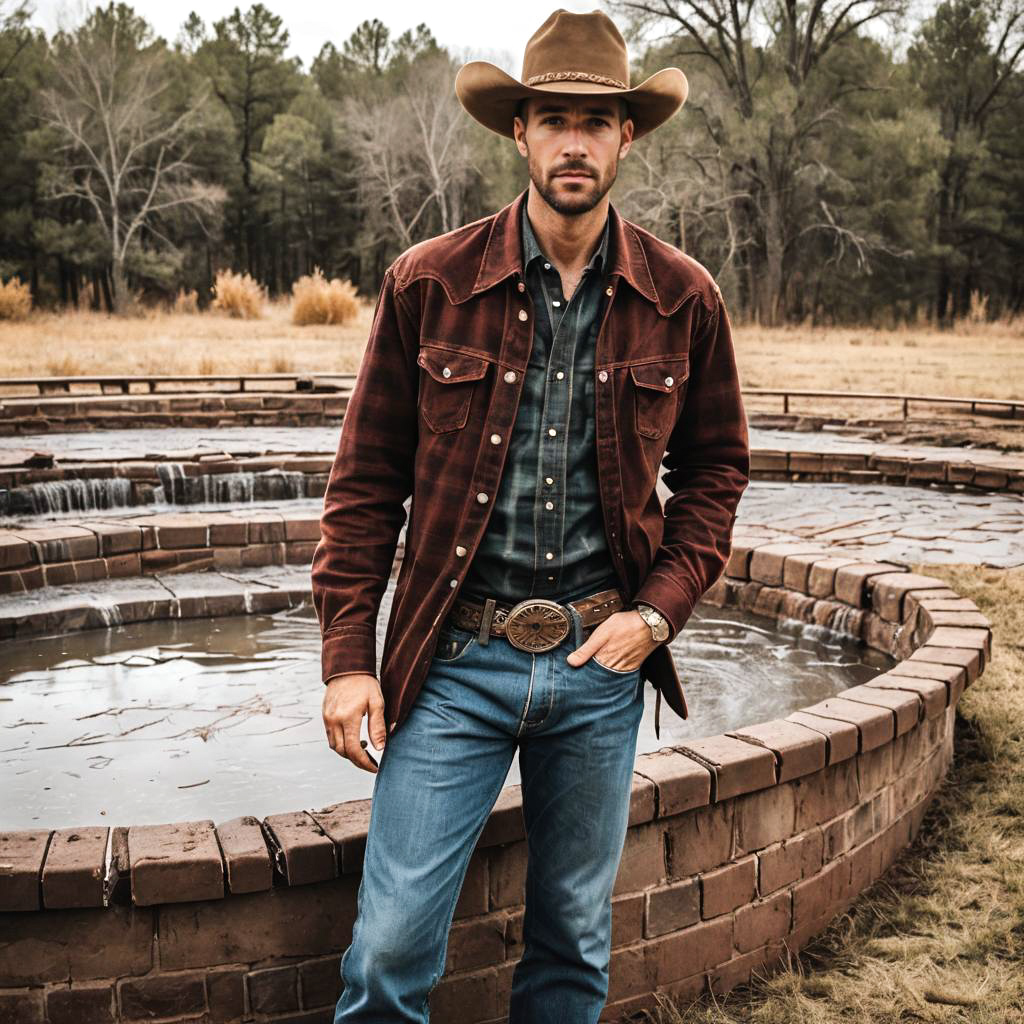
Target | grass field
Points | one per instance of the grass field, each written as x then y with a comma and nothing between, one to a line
940,936
983,360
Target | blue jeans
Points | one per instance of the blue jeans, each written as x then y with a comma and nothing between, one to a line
440,774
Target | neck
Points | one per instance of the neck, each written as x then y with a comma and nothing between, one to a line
568,241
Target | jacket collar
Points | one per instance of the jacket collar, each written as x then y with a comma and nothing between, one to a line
503,252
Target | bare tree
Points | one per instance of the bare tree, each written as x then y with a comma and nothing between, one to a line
413,150
125,149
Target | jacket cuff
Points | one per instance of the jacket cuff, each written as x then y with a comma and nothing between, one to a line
348,649
666,595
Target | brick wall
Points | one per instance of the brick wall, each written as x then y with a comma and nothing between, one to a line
741,847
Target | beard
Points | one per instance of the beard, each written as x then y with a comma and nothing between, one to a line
575,199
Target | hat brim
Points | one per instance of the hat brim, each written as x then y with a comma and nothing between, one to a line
491,96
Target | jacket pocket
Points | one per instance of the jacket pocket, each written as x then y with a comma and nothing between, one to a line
447,385
656,390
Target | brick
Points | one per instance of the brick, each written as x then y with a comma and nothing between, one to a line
841,738
797,749
175,863
969,639
346,824
825,794
680,782
852,582
796,572
698,948
507,874
907,707
74,868
505,823
473,896
21,863
273,990
81,1004
247,861
789,861
302,853
700,840
671,907
764,921
764,817
740,970
320,982
876,725
643,800
467,997
728,887
736,767
162,995
767,562
628,918
225,994
477,942
629,975
21,1007
643,858
822,575
970,661
931,692
888,592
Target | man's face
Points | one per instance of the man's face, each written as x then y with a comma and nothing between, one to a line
572,146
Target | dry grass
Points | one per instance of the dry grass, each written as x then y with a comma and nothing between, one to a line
238,295
940,937
315,300
15,300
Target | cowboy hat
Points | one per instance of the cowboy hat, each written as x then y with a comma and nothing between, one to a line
583,54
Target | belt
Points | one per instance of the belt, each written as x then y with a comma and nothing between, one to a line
535,624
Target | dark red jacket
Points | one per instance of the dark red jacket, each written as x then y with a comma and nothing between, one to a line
441,378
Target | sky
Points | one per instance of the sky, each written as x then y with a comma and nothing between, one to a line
496,32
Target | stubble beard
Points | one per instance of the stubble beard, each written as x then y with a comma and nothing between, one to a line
578,202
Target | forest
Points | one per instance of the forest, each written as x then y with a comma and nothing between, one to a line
837,161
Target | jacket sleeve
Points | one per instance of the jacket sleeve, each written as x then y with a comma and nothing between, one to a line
708,468
364,503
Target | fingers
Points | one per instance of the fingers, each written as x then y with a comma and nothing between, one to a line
354,750
375,723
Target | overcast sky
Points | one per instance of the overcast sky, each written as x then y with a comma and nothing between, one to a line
496,32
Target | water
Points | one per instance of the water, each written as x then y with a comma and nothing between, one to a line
176,720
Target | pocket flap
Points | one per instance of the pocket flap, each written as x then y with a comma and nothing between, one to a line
661,374
451,367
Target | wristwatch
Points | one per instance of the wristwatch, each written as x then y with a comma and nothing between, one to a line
658,623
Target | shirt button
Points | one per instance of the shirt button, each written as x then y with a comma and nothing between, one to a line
460,551
521,286
495,438
549,504
551,577
608,290
602,376
550,555
453,583
552,432
446,372
549,479
547,266
482,498
555,302
560,375
510,376
523,315
668,381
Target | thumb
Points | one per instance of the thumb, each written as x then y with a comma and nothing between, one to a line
375,725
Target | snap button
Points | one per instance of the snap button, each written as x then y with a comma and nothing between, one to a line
549,479
608,290
453,583
550,555
668,381
460,551
495,438
523,315
555,302
547,266
510,376
446,372
560,375
549,504
552,431
602,376
482,498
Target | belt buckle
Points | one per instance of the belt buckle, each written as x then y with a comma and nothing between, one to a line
537,624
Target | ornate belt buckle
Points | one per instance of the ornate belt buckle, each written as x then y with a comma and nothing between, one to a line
537,624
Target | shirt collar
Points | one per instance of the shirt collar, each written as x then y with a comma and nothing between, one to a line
532,250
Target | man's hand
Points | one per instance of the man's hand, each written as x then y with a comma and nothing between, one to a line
350,696
623,640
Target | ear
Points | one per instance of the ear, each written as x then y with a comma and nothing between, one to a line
519,128
626,137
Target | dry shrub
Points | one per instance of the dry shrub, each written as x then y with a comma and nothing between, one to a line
15,300
186,301
315,300
238,295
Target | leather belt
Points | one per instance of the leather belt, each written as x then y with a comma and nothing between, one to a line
535,624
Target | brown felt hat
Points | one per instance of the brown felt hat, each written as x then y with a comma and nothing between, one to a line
582,54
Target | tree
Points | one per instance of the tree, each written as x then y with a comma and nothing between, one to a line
125,153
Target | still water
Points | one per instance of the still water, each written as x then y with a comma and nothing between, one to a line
213,718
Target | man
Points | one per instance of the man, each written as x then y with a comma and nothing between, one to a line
525,379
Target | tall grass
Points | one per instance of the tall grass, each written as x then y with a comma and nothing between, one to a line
15,300
315,300
238,295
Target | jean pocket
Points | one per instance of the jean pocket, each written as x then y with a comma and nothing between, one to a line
453,642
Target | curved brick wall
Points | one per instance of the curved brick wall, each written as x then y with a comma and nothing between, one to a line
740,846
